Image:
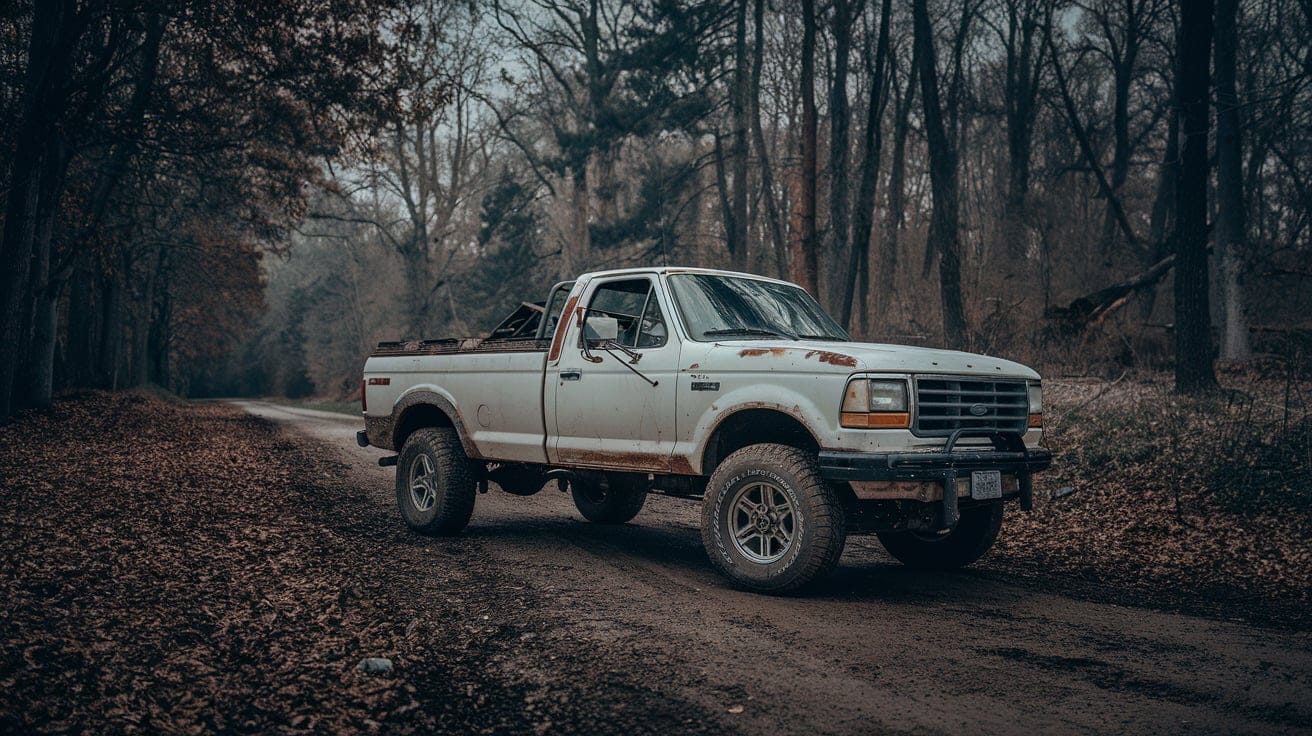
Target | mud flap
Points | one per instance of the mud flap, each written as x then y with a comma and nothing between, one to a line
1026,492
949,513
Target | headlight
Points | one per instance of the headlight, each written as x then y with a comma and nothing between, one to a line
1036,405
888,396
875,403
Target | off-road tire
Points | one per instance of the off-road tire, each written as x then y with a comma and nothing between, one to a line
447,509
614,500
973,535
818,525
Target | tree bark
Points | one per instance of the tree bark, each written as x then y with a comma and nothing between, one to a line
894,203
143,319
55,29
575,252
38,375
737,223
1194,372
943,236
839,125
1123,68
773,215
1086,145
1230,232
806,258
111,327
1160,220
863,218
1023,77
81,354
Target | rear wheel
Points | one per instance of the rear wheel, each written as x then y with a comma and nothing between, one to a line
434,489
614,499
974,534
769,522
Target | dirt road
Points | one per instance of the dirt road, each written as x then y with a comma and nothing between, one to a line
875,649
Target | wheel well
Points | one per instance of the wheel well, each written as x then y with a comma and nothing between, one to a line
754,427
418,417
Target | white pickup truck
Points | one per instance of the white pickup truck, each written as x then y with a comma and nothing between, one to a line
726,387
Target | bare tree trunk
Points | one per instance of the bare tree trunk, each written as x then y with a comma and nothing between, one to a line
762,153
1024,49
839,125
161,320
54,30
80,356
47,285
111,327
1194,371
1160,221
737,222
1086,146
872,144
943,236
896,190
144,319
1230,235
805,244
575,252
37,380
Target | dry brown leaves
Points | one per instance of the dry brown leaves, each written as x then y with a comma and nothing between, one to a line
1206,496
161,574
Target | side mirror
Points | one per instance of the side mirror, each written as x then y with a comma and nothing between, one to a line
598,328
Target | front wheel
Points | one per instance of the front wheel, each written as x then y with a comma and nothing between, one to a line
769,521
974,534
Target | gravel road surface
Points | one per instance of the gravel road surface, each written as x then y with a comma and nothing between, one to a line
875,649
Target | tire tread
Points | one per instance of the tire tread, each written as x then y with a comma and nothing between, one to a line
455,504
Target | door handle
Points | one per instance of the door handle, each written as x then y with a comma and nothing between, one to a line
571,375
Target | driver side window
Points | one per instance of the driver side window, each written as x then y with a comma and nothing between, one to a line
633,303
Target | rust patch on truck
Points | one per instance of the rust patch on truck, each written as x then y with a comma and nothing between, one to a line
758,352
561,326
680,466
613,460
824,356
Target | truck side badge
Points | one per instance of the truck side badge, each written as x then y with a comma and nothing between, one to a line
705,385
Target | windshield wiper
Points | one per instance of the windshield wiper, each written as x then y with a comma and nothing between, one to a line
836,338
747,332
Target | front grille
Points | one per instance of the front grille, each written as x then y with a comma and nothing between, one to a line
944,405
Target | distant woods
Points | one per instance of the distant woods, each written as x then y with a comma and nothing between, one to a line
234,197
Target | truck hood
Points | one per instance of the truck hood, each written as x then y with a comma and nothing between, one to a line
852,357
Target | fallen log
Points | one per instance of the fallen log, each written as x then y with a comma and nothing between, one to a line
1092,309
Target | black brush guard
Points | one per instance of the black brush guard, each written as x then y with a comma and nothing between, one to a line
1009,455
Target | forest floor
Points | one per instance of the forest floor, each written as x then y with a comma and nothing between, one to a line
1206,500
171,567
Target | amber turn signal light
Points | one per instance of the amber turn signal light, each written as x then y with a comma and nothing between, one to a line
881,420
1035,422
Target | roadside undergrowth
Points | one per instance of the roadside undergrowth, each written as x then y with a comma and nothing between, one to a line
1151,490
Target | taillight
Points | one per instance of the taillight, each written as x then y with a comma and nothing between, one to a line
364,404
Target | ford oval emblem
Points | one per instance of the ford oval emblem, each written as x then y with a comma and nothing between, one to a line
978,410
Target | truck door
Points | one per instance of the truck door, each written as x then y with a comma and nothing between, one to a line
607,412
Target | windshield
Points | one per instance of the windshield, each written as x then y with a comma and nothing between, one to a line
729,308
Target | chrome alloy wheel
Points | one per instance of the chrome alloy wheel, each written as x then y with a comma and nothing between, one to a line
763,522
423,480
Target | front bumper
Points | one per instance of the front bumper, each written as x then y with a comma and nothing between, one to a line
1008,455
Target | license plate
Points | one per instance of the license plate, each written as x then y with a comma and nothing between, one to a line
986,484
